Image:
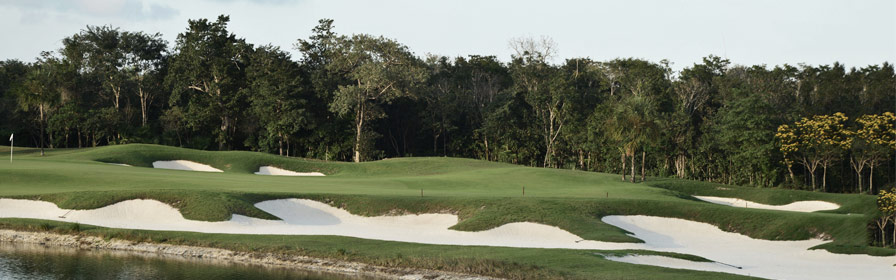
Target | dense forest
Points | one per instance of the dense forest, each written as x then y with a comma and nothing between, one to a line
365,97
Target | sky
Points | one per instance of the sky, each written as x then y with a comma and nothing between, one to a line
770,32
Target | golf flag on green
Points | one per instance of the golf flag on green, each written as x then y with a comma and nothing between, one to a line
10,146
10,137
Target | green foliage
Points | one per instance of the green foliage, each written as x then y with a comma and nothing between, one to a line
368,97
379,70
277,97
208,80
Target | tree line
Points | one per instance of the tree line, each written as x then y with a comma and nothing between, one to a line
363,97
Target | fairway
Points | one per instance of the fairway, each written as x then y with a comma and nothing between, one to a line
483,195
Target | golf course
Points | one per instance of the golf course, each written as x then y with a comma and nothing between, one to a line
446,214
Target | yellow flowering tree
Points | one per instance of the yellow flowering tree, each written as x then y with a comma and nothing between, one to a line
814,142
874,140
886,203
789,146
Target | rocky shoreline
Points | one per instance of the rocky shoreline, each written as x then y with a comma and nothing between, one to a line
346,268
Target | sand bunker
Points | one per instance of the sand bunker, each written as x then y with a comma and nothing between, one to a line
270,170
184,165
119,164
763,258
755,257
799,206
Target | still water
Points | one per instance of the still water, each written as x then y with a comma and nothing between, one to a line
25,261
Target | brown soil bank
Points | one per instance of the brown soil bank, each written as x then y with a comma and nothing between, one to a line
265,259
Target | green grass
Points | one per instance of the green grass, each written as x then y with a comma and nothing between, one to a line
512,263
483,194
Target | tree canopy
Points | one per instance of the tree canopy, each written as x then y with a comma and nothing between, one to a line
366,97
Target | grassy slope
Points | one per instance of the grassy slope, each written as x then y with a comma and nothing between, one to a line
483,194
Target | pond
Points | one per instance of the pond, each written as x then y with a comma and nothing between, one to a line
28,261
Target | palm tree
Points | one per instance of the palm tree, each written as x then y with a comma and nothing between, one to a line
632,126
39,92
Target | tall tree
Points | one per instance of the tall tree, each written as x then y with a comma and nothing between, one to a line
633,126
439,100
144,56
276,95
745,128
207,77
12,75
40,91
874,140
380,71
99,52
485,80
816,141
545,89
331,138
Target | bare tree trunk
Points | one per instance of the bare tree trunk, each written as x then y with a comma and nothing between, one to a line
824,177
790,171
894,230
116,91
811,166
680,166
225,125
435,144
623,167
582,159
359,124
485,141
633,168
42,129
444,142
280,140
643,159
143,105
813,180
871,178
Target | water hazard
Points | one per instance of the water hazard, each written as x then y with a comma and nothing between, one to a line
26,261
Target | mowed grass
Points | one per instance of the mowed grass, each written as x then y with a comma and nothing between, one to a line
483,194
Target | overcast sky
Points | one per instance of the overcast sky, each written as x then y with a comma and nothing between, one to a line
772,32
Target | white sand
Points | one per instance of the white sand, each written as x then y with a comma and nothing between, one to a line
270,170
119,164
763,258
184,165
799,206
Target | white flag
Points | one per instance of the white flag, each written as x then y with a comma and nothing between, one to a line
10,137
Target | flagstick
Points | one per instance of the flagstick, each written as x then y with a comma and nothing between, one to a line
10,149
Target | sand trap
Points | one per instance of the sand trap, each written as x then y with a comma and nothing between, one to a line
184,165
270,170
763,258
799,206
119,164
